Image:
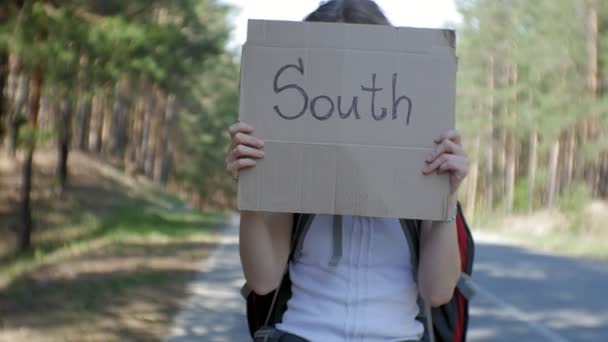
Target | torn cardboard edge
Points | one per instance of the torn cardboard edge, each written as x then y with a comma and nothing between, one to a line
295,34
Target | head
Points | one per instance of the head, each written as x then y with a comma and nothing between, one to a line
349,11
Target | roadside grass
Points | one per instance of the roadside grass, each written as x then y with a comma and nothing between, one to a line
109,262
581,233
132,221
123,280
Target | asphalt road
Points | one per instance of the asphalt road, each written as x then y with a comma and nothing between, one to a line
529,296
522,296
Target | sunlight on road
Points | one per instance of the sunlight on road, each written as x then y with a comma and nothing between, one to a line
216,310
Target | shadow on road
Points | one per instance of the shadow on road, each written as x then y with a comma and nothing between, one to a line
216,312
528,296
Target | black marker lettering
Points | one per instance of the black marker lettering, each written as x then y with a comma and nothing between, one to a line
299,67
373,90
354,107
397,101
314,110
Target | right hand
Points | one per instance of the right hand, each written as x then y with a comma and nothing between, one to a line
244,149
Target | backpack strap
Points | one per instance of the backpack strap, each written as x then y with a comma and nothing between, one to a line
336,240
466,286
299,230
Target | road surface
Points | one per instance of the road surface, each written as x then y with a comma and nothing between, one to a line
523,296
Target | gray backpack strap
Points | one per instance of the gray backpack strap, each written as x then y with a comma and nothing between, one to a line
245,291
301,228
466,286
411,230
337,240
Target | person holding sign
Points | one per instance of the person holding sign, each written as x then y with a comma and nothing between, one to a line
358,285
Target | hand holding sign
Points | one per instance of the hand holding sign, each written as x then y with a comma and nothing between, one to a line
244,149
449,157
348,114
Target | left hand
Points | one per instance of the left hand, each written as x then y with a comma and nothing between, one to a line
449,157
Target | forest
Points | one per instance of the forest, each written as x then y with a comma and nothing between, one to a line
148,86
532,102
113,136
151,86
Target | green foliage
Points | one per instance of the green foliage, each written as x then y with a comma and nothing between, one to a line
574,202
86,47
575,198
42,136
526,67
205,123
520,196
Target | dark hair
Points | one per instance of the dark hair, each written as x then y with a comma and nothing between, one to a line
349,11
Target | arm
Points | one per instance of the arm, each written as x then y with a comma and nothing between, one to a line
264,242
439,260
264,238
439,268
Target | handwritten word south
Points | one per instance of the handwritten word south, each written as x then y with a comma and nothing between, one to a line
331,106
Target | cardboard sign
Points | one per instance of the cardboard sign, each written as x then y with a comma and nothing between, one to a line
348,114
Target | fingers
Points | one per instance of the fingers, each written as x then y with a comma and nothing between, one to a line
248,140
235,166
242,151
457,165
240,127
447,163
452,135
446,146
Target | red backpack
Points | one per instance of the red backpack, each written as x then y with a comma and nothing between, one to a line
449,322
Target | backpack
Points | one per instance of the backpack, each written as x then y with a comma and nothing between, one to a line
449,322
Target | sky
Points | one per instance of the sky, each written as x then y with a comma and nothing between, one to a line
416,13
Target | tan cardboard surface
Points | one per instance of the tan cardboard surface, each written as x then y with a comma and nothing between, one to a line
348,114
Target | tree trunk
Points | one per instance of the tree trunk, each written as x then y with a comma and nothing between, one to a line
501,160
96,129
83,123
579,166
488,139
4,72
133,159
592,42
63,144
553,163
571,149
597,167
472,179
107,123
17,90
149,109
510,173
603,181
592,48
166,166
532,169
118,137
163,148
154,133
511,145
26,224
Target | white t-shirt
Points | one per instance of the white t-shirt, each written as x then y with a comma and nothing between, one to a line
370,295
